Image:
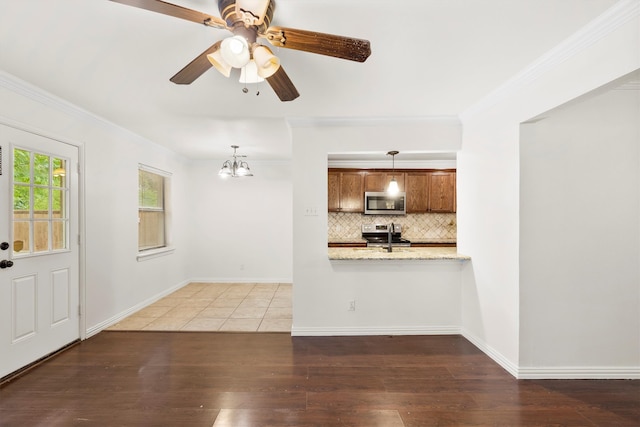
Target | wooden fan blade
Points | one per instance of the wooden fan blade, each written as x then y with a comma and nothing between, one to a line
195,68
283,86
320,43
176,11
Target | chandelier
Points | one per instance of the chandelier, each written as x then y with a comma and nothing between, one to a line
234,168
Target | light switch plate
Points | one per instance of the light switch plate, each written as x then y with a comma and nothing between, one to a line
311,211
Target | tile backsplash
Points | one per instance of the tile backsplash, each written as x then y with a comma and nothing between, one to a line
418,227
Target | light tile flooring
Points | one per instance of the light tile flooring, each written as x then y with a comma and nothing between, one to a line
230,307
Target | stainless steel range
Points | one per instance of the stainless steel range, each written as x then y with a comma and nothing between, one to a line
377,235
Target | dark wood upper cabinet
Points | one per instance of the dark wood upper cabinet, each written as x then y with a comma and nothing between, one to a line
346,191
427,190
379,180
442,192
417,189
334,191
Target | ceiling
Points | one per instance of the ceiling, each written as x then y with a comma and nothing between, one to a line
429,58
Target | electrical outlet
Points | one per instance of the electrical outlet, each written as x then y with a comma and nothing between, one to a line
352,305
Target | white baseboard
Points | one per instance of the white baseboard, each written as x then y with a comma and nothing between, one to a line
123,314
240,280
497,357
580,373
555,373
355,331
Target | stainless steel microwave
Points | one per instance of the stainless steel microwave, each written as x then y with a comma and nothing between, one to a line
380,203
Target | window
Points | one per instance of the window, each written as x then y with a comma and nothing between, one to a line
152,209
40,198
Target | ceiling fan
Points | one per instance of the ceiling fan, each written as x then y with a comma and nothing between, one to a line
249,20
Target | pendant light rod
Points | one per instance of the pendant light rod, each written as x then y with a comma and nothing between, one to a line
393,184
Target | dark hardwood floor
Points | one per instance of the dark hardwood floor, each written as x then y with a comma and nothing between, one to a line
208,379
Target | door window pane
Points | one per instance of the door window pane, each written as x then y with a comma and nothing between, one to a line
21,166
41,169
58,237
21,232
41,236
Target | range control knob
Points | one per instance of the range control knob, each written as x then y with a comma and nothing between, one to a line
4,246
6,264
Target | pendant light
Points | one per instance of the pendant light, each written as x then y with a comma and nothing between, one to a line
393,184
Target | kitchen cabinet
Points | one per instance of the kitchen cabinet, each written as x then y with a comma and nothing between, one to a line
346,191
442,191
427,190
430,191
417,189
379,180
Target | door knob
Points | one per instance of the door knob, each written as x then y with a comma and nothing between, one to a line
6,264
4,246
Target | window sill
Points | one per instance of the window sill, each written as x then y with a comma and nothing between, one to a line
154,253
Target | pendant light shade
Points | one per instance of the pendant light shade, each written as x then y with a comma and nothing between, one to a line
393,188
267,63
235,51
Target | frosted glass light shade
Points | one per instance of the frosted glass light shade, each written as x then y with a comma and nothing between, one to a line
235,51
249,73
225,171
266,61
393,186
219,63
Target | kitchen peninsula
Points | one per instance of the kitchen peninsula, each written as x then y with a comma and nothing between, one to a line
410,253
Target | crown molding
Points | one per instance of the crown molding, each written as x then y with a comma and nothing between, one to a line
616,16
23,88
384,164
36,94
297,122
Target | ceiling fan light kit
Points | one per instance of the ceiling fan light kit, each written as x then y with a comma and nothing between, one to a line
249,20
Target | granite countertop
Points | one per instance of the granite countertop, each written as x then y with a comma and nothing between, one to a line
349,240
432,240
433,253
361,240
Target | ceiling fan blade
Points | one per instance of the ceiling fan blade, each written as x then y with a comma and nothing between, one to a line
283,86
176,11
324,44
195,68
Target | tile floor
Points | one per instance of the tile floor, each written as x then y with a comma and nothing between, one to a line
230,307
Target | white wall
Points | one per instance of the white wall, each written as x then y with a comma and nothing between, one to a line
240,228
391,297
579,248
488,173
115,281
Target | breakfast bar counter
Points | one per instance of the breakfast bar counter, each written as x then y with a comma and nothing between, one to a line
402,253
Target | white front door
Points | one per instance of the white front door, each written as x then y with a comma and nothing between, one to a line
39,250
